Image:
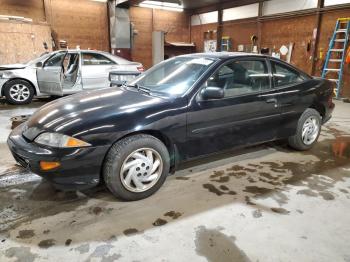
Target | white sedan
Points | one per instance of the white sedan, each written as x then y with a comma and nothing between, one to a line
61,73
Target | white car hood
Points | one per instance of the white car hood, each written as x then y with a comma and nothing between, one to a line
12,66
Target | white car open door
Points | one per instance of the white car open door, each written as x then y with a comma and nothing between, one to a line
50,75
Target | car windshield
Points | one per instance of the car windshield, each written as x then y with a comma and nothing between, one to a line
38,59
175,76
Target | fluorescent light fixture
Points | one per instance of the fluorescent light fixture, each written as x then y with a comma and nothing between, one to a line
162,5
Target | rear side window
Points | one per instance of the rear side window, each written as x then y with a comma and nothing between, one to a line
284,75
96,59
241,77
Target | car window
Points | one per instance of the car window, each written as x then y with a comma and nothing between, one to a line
174,76
96,59
241,77
284,75
55,60
70,63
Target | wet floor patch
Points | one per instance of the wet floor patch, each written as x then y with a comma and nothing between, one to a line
159,222
280,210
47,243
173,214
327,195
20,254
25,234
257,213
216,246
182,178
256,190
68,242
213,189
130,231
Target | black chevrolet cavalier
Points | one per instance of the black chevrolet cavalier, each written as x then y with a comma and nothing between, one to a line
131,137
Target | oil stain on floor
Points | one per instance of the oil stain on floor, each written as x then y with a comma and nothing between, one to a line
216,246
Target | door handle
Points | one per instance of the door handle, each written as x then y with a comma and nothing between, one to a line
272,100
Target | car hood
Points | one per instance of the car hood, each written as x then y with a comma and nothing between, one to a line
73,114
12,66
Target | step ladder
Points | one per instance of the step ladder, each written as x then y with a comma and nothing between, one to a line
226,43
336,53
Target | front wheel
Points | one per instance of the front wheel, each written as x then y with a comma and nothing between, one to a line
18,92
308,130
136,167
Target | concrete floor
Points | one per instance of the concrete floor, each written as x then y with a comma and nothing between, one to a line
266,203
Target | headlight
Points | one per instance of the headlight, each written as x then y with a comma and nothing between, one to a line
6,74
59,140
114,77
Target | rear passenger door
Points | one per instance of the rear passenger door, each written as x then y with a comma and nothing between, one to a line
247,114
95,70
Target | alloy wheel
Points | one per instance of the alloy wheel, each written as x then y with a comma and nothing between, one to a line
141,170
310,131
19,92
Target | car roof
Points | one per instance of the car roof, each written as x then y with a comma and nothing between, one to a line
224,55
109,55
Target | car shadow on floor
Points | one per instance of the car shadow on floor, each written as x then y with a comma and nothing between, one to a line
238,177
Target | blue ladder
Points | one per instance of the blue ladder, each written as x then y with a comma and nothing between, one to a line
340,35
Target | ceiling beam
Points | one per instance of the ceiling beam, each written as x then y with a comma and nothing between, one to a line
135,2
225,5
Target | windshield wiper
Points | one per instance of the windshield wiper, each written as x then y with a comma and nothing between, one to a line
140,88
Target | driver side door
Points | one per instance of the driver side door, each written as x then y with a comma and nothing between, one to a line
50,75
246,114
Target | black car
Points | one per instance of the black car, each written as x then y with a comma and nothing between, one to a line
189,106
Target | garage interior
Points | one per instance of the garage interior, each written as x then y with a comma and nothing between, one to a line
261,203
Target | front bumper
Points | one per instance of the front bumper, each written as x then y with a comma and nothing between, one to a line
80,167
2,83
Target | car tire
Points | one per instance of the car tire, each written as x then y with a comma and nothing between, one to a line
128,168
308,130
18,92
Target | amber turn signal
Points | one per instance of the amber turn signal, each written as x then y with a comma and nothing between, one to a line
44,165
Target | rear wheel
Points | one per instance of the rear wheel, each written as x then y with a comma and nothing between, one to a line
136,167
308,130
18,92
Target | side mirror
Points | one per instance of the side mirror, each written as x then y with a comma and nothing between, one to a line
39,64
212,92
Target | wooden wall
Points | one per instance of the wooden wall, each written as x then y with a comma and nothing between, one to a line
145,20
27,8
79,22
20,42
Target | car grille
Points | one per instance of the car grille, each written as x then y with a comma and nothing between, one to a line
20,160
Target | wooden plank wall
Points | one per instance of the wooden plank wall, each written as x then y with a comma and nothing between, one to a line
79,22
27,8
145,20
21,42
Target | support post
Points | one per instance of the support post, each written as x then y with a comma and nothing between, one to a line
320,5
219,29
